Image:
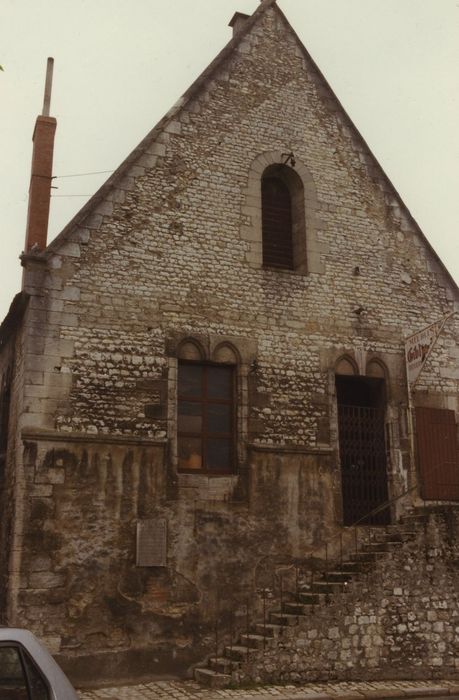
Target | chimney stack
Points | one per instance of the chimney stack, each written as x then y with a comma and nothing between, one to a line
41,175
237,22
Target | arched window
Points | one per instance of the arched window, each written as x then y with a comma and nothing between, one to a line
282,205
277,223
308,252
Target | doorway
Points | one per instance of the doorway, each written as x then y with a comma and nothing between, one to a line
362,448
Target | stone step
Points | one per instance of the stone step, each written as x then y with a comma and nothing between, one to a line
338,576
410,518
307,597
374,547
353,568
223,665
408,535
327,587
366,557
238,652
211,678
285,619
299,608
392,536
257,641
269,629
394,543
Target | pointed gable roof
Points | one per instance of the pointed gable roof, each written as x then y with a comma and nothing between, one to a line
374,169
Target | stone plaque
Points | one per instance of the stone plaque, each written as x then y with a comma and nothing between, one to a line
152,542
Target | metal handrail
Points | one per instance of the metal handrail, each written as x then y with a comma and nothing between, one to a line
353,527
382,507
326,546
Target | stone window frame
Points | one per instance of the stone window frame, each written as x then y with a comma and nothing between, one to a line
212,349
307,247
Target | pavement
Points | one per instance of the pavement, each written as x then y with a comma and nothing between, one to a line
190,690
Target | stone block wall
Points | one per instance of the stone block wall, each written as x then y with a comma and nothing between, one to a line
11,476
81,590
400,621
170,248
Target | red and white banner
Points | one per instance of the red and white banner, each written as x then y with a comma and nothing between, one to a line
418,347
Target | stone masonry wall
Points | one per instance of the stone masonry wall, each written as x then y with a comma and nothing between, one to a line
400,621
167,253
170,251
11,484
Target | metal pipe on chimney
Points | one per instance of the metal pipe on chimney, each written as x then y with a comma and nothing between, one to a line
48,87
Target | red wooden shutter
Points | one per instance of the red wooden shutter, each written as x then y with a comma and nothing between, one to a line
438,454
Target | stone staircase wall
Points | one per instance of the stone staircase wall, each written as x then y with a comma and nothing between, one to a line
398,619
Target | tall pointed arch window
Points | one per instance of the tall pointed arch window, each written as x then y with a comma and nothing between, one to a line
283,226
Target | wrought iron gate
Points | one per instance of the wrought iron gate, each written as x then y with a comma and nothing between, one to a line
363,463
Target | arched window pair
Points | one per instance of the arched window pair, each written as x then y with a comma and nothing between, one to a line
206,409
283,218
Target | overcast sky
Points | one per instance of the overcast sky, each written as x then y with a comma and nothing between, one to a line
119,66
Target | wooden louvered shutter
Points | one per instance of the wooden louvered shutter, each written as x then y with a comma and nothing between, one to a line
276,223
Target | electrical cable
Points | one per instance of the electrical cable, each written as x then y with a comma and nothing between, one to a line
96,172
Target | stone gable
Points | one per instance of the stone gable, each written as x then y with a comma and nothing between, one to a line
165,267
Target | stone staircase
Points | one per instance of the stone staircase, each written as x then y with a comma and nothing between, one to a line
379,541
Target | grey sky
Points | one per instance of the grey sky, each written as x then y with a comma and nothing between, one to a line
120,66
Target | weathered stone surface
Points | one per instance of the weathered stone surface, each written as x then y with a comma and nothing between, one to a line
382,630
175,252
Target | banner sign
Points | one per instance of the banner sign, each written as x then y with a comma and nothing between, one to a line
418,347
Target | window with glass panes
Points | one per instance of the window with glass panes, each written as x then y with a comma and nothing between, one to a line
205,417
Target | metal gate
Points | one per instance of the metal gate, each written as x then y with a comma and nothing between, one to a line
363,464
438,454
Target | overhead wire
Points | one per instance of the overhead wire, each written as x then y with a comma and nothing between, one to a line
94,172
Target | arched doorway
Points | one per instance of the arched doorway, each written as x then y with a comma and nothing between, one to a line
362,446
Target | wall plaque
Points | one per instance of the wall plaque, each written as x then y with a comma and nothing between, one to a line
152,542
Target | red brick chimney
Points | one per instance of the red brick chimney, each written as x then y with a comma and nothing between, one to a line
42,166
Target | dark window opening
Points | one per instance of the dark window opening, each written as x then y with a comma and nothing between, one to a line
362,447
276,223
283,219
360,391
206,418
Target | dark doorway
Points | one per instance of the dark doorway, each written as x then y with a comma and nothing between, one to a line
362,447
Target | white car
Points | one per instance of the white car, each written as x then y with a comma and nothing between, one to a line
28,671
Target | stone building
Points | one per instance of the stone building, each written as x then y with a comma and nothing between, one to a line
204,375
